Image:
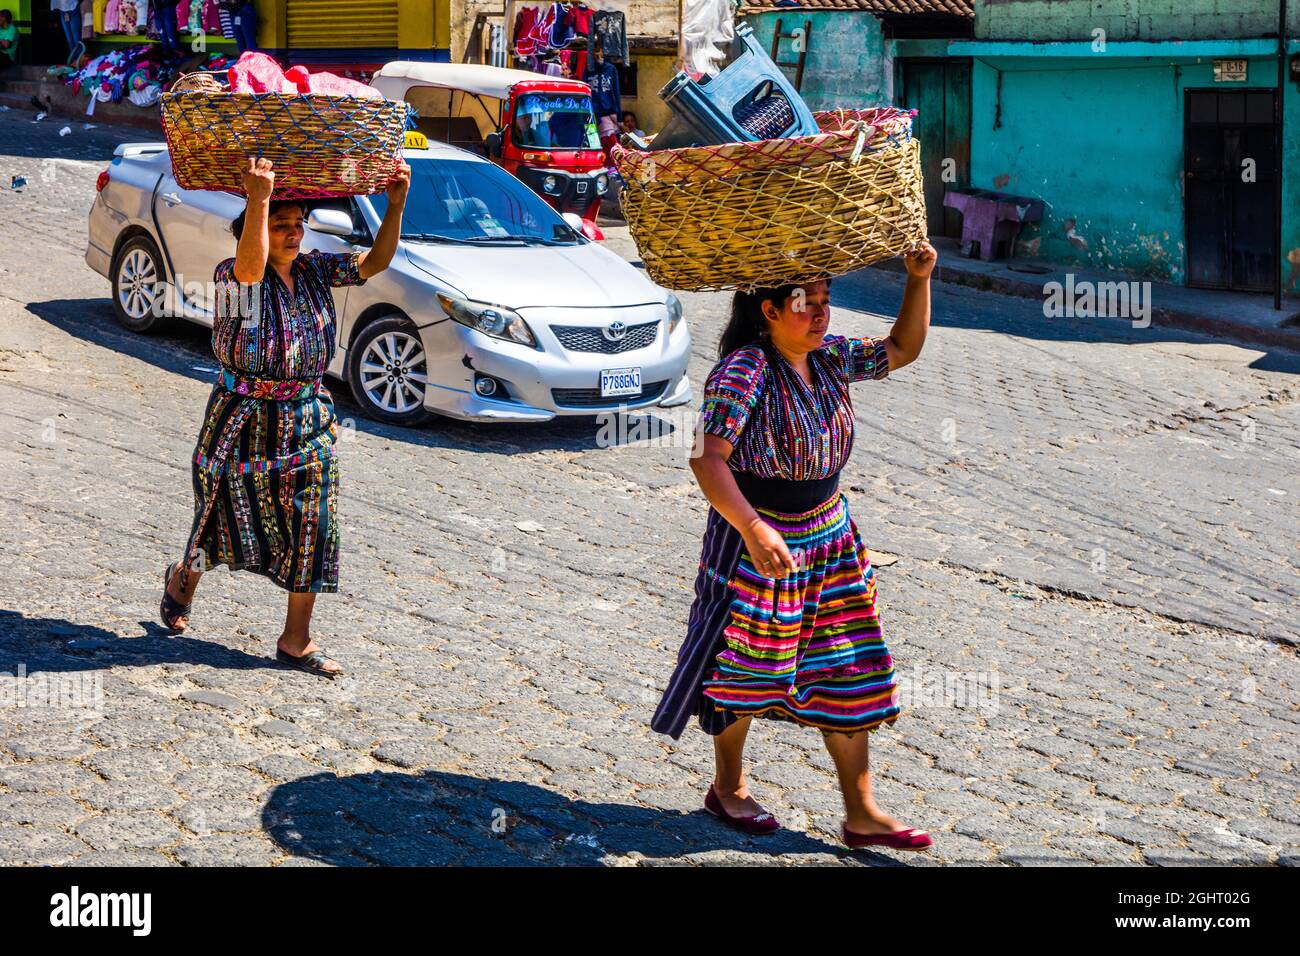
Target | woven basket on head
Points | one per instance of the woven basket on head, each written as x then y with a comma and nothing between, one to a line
320,145
745,215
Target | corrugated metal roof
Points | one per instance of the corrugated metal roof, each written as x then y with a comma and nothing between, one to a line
956,8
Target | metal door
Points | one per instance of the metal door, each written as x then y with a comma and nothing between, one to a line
1231,165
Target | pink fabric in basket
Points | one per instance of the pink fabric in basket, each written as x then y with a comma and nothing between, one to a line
258,73
328,84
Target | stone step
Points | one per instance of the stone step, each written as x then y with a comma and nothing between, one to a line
17,101
23,88
37,73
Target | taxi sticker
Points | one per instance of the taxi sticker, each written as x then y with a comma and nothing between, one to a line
491,227
416,140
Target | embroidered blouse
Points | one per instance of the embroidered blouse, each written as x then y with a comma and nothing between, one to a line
779,426
293,336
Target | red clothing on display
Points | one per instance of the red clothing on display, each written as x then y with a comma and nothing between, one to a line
525,42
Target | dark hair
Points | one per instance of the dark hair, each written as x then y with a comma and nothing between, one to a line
748,324
237,226
627,113
7,14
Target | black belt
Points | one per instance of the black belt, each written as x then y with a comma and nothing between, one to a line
786,494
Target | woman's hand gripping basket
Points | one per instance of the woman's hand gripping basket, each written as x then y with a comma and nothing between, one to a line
321,145
744,215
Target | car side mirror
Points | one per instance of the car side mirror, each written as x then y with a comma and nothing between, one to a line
493,143
331,222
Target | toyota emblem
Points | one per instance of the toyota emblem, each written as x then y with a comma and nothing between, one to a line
615,331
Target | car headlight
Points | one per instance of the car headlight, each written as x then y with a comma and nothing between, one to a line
674,312
494,320
551,184
602,184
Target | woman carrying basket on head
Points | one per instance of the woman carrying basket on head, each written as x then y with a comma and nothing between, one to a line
784,623
265,476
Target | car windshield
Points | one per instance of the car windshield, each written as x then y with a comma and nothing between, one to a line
555,121
457,200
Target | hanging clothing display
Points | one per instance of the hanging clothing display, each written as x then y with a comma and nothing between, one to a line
525,20
542,32
609,29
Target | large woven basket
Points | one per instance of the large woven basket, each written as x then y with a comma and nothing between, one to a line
320,145
745,215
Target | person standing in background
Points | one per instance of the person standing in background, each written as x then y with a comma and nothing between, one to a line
69,12
606,100
165,14
243,20
8,40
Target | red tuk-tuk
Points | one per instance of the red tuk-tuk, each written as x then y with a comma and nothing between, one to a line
540,128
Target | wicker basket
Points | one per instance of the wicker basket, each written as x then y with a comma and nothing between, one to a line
745,215
321,145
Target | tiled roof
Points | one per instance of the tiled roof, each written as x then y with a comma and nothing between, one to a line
956,8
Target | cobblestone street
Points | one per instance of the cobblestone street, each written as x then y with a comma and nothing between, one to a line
1097,521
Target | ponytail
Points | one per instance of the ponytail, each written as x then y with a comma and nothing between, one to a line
748,324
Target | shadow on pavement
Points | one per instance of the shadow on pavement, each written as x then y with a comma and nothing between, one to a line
55,644
185,349
437,818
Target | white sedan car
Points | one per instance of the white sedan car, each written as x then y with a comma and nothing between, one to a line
495,308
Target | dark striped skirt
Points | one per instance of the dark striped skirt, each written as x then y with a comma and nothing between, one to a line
266,488
807,648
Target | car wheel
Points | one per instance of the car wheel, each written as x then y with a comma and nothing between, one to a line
139,285
389,372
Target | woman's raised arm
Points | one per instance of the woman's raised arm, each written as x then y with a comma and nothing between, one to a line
255,243
907,335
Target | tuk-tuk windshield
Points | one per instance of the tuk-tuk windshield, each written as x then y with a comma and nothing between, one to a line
555,121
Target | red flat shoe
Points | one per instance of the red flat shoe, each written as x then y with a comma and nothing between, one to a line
909,839
757,825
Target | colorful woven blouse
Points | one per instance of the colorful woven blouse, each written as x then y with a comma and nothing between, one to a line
294,336
778,426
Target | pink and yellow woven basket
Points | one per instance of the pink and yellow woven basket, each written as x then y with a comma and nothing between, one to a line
321,145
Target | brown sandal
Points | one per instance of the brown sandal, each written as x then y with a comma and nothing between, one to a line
171,609
312,662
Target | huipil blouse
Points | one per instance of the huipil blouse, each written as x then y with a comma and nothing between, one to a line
779,426
290,340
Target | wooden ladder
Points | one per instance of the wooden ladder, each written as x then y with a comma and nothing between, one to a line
778,36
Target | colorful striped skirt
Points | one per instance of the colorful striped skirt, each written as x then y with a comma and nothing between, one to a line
807,648
266,484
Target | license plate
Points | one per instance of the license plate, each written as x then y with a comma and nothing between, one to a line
620,381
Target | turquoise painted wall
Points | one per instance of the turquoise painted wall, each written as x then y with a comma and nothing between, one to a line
1129,19
1102,145
848,61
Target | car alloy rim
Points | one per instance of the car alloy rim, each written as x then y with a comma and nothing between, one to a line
137,284
393,372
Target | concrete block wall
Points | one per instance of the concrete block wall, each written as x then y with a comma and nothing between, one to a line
1042,20
848,61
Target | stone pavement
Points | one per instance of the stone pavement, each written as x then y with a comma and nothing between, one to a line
1094,525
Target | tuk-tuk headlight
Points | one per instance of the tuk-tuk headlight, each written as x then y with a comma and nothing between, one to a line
494,320
674,312
551,184
602,184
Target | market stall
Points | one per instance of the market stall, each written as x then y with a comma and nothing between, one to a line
201,24
636,44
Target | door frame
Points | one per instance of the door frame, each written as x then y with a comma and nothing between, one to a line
1275,232
900,90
